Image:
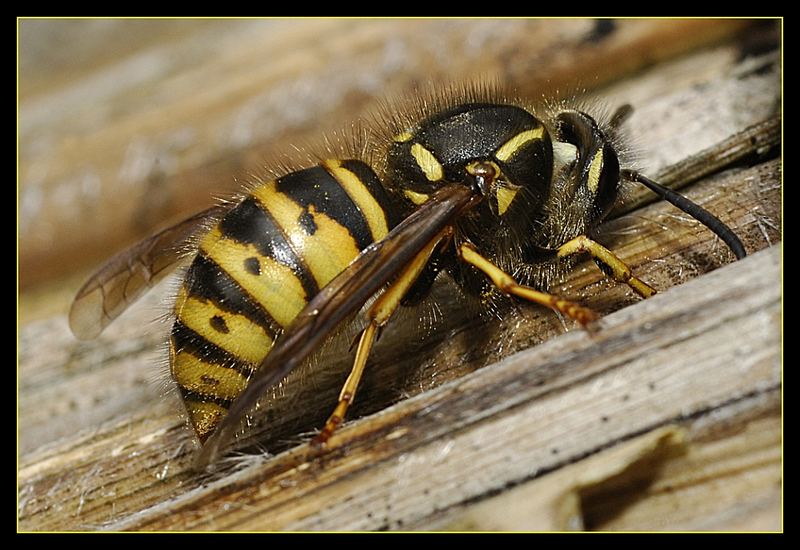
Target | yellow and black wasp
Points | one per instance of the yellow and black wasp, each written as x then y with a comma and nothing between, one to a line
477,186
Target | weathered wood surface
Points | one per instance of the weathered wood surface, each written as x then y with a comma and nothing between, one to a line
103,448
705,356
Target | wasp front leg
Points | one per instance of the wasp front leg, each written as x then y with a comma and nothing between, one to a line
608,262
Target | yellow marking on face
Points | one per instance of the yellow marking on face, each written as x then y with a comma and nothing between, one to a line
360,195
273,285
402,137
416,198
239,336
595,169
204,378
505,195
327,251
510,147
427,162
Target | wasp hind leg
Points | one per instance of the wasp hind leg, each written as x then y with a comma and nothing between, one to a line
378,315
507,284
608,262
348,392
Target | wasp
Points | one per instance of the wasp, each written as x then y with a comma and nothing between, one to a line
476,186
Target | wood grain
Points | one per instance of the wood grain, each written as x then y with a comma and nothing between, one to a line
101,438
681,357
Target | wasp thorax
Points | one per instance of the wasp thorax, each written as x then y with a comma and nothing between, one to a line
501,147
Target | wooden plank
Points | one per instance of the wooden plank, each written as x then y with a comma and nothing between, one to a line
104,446
681,357
727,464
142,459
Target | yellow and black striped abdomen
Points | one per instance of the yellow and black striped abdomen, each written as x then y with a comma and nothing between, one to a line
257,269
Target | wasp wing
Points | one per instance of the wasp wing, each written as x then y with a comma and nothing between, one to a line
377,265
130,273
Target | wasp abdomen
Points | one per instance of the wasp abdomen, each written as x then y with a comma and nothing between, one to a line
259,267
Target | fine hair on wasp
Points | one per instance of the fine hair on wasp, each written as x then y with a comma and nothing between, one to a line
501,196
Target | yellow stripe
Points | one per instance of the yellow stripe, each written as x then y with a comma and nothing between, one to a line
205,378
360,195
327,252
427,162
204,417
402,137
276,288
416,198
245,339
595,169
505,195
509,148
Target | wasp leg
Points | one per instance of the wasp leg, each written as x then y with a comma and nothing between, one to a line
348,392
608,262
378,315
507,284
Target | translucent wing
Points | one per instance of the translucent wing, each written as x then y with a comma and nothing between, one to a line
342,297
130,273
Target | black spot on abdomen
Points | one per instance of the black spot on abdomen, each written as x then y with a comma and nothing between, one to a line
219,324
306,221
253,266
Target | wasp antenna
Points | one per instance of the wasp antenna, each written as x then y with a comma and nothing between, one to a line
694,210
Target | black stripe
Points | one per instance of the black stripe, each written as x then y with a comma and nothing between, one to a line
189,395
316,187
185,340
208,281
373,184
249,223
